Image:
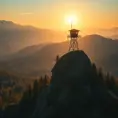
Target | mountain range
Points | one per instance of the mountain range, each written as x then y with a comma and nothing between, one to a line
14,37
30,51
39,59
109,33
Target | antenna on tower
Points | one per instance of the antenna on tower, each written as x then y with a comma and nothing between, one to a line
71,24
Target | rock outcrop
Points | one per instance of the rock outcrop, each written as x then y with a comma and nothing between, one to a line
74,92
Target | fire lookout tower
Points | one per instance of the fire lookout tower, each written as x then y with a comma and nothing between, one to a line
73,36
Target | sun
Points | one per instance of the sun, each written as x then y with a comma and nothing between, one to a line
71,20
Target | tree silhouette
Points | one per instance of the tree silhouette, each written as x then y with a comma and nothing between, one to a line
35,88
57,58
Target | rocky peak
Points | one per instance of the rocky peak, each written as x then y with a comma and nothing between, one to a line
71,67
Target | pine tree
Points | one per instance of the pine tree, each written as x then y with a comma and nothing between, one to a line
57,58
101,76
35,88
107,80
30,91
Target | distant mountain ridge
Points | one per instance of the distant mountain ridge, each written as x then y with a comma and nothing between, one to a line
14,37
110,32
24,52
102,51
26,49
4,22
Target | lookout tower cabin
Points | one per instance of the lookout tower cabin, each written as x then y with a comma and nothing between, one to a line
73,36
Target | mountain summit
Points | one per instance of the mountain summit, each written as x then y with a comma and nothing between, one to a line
72,65
3,22
76,90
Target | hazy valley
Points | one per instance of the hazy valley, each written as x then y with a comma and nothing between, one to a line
22,50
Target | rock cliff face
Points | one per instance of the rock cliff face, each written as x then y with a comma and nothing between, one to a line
73,92
71,75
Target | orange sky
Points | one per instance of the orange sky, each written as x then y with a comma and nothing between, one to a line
50,14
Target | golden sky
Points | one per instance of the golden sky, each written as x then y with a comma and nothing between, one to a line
51,13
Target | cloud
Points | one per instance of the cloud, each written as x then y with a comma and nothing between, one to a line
27,13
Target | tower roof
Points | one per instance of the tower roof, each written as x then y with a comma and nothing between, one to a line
75,30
